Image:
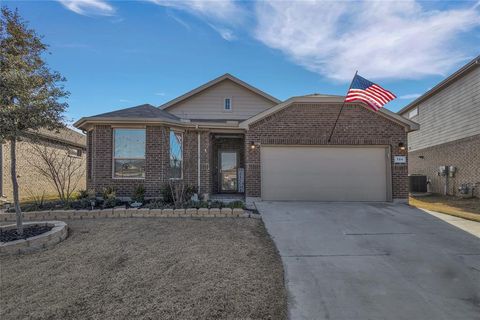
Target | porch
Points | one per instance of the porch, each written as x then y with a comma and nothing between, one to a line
228,167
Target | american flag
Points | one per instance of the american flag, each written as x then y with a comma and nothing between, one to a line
372,94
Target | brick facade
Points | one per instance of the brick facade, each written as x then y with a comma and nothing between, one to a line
464,154
299,124
157,157
310,124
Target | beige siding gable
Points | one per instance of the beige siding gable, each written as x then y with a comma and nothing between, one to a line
209,104
451,114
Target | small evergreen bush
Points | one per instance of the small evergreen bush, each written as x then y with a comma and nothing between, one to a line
108,193
139,194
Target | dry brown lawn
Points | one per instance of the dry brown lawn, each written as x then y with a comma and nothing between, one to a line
463,208
149,269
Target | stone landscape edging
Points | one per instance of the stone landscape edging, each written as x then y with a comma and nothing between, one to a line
45,240
131,213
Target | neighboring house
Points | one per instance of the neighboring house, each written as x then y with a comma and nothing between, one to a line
31,183
227,137
449,135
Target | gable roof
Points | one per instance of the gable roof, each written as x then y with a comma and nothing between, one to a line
141,112
213,82
319,98
453,77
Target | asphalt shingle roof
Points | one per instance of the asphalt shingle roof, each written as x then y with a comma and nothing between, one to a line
141,111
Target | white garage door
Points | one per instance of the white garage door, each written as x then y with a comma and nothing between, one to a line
313,173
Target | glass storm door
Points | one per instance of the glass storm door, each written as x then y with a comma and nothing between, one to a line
228,171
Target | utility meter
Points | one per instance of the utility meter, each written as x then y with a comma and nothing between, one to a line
442,171
451,171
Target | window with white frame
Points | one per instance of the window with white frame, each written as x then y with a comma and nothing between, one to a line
176,155
413,113
74,152
129,153
227,105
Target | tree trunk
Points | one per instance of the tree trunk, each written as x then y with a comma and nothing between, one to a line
13,168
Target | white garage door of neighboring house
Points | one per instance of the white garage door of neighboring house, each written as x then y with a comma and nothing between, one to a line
317,173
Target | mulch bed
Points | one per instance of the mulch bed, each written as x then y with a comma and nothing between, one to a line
28,232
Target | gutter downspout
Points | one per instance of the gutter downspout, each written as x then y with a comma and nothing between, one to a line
198,159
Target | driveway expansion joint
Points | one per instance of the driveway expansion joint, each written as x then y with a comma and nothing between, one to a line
379,234
336,255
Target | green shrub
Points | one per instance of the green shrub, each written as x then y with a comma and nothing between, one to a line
39,206
82,194
109,193
157,204
202,204
139,194
111,203
195,204
217,204
166,193
236,204
83,203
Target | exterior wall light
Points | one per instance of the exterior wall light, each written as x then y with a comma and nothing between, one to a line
401,146
252,145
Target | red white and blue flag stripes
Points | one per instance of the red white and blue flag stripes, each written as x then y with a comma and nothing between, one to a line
366,91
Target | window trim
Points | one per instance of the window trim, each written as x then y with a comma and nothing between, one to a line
113,153
170,151
231,104
78,152
412,110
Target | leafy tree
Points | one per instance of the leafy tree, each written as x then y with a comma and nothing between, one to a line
30,93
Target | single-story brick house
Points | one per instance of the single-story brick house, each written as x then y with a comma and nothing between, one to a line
228,137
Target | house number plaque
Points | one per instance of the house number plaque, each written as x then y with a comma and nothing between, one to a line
400,159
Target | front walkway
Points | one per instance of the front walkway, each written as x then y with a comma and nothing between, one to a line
373,261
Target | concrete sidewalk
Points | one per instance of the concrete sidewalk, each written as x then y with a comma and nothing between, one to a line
374,261
469,226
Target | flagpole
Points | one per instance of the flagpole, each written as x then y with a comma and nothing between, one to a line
338,117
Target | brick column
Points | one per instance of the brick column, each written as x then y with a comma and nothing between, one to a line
156,159
205,163
102,157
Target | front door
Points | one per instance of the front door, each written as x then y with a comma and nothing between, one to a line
228,171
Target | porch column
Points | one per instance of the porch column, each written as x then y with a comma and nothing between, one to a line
205,163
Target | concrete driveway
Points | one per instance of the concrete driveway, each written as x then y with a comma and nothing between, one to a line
374,261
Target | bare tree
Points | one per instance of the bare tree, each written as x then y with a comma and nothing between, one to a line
177,188
59,167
